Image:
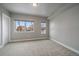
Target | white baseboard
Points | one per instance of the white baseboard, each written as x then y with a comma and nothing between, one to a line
72,49
27,39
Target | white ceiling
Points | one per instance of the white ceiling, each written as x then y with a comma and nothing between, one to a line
43,9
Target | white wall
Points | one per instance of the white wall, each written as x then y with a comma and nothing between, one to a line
64,28
2,10
27,35
5,28
0,27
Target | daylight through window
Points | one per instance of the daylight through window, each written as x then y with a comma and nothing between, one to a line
43,27
24,26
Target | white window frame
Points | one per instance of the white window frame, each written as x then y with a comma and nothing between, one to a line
45,28
22,31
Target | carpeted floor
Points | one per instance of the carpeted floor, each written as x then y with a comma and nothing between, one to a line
35,48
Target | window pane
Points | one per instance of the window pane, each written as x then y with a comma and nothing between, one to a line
17,25
24,26
20,26
43,24
22,23
29,26
43,31
43,28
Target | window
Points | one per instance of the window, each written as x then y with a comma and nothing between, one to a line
43,27
22,26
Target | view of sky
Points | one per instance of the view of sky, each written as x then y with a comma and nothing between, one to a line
23,23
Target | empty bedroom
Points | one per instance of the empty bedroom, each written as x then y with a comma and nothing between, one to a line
39,29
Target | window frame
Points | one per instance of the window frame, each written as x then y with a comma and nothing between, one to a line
43,27
25,25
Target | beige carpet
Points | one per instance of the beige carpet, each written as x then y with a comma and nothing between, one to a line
35,48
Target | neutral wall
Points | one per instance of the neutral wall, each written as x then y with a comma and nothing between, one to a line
27,35
64,28
0,27
5,28
2,10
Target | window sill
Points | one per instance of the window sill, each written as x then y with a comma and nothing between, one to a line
24,32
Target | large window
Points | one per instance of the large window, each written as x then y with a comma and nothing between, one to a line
24,26
43,27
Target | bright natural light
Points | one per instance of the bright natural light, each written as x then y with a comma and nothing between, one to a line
24,26
43,28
